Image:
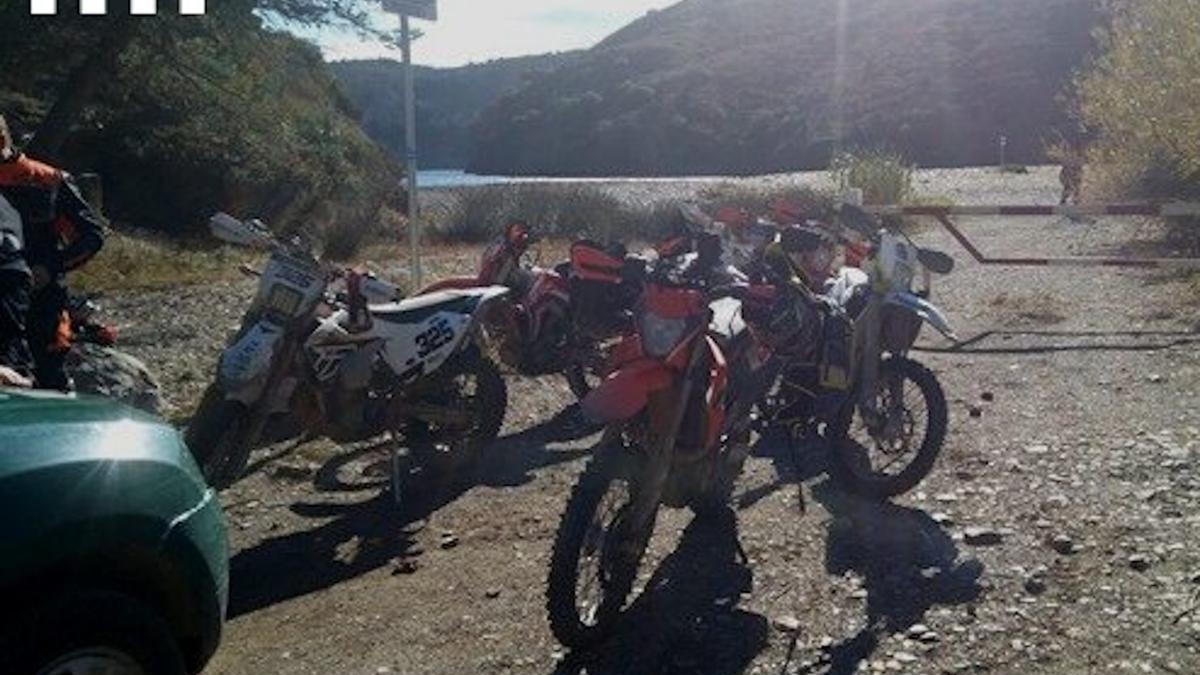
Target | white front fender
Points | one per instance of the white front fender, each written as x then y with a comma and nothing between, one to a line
924,309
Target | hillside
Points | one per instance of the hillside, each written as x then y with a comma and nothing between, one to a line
735,86
448,101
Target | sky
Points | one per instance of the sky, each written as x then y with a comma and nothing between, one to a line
470,31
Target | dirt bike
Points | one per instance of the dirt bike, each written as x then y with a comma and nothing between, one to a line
883,441
677,412
555,320
338,365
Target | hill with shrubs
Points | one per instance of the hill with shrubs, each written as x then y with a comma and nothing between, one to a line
449,101
749,86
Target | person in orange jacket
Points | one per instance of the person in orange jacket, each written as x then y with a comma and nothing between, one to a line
61,233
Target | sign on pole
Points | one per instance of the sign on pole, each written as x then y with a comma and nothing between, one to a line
418,9
421,9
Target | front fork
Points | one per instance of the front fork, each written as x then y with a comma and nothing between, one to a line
867,335
666,409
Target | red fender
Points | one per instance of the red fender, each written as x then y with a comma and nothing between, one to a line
453,284
624,393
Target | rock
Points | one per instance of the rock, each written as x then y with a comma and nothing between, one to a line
291,472
786,624
946,497
1037,449
982,536
1155,378
1138,562
102,371
943,519
448,541
492,593
1062,544
975,411
917,630
1035,584
905,657
1195,577
404,566
987,396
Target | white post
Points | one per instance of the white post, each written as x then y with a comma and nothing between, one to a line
410,152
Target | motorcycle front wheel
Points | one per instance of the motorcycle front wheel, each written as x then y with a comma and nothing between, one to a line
890,456
595,558
218,437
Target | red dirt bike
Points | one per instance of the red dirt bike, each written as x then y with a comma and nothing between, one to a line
557,320
677,409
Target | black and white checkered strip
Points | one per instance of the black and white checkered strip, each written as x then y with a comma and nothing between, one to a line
100,7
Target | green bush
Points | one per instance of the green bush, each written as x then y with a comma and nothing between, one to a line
884,177
556,211
1140,98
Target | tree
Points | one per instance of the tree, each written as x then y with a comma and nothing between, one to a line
121,30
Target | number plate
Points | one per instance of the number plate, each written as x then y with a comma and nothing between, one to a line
284,300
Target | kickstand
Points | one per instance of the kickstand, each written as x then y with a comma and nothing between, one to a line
801,504
397,479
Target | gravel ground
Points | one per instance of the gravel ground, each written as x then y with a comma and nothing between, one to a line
1056,535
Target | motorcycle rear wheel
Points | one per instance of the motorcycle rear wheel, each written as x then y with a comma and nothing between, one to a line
218,437
856,471
611,555
448,449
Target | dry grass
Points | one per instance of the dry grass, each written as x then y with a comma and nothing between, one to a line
1040,307
131,261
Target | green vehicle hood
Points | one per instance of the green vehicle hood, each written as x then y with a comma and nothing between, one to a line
82,474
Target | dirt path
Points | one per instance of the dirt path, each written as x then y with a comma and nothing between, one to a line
1074,420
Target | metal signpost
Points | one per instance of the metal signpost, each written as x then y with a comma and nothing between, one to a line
421,9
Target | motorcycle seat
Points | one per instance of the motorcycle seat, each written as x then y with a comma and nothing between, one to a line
418,309
727,322
848,290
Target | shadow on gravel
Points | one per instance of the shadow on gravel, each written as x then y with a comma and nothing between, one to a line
793,461
1070,341
687,619
906,561
365,535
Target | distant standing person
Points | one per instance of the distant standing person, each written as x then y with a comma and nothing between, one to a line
1071,174
61,233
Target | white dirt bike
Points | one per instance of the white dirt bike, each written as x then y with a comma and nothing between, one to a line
890,416
349,366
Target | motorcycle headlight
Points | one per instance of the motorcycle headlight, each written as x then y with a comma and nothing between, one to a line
660,335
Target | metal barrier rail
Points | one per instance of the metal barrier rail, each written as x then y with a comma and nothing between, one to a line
943,214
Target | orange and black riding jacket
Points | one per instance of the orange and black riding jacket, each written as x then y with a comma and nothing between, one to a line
61,230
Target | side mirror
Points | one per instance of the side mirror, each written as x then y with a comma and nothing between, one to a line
935,261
